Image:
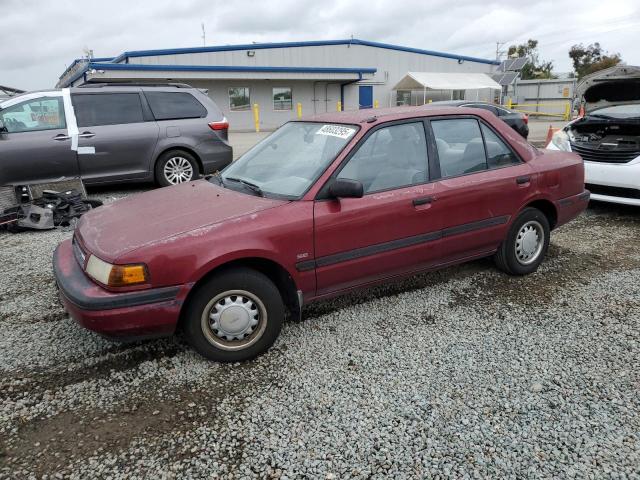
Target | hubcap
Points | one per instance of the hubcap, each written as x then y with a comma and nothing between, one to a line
178,170
529,242
234,320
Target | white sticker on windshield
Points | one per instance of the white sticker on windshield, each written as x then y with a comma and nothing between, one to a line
336,131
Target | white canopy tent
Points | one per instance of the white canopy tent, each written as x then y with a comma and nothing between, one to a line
445,81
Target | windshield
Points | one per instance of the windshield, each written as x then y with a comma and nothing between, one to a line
618,111
290,160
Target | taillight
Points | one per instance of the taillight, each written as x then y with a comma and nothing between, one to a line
525,118
221,125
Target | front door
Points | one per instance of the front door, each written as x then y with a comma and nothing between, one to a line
35,145
483,184
117,138
394,228
365,93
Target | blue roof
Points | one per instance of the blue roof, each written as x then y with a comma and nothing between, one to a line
121,62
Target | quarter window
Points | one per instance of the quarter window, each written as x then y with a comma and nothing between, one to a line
460,146
174,105
239,99
44,113
93,110
391,157
282,99
498,154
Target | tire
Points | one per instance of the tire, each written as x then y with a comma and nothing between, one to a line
247,296
518,254
176,166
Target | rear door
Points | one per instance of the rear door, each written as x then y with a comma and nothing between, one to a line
35,145
393,228
483,184
117,136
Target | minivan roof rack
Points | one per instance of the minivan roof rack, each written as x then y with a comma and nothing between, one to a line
133,84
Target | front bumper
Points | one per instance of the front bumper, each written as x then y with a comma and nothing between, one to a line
126,316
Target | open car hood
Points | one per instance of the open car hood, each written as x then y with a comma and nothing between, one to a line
617,85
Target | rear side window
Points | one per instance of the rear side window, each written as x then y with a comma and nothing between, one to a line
498,154
460,146
174,105
107,109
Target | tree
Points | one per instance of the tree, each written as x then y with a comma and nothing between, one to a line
591,58
535,68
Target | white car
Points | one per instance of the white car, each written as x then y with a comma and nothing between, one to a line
607,137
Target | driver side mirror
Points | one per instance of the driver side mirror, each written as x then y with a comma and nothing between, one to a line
346,188
3,128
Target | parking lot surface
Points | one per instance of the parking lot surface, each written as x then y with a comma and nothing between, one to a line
461,373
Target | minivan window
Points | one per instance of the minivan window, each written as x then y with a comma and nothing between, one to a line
44,113
93,110
174,105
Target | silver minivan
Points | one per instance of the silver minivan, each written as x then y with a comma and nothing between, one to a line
108,133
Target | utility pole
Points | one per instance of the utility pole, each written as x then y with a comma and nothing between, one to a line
204,36
499,52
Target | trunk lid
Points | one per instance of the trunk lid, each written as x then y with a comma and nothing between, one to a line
133,222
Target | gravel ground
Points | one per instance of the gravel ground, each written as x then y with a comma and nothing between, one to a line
461,373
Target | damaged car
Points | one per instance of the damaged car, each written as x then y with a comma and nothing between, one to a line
607,137
322,206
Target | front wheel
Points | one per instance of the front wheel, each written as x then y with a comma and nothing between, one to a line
525,246
235,316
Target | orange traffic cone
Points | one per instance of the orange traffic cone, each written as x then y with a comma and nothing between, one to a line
550,133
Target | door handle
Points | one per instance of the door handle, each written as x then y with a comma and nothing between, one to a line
423,201
86,135
61,137
523,180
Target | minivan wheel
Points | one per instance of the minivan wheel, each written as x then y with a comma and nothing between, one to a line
235,316
176,167
526,243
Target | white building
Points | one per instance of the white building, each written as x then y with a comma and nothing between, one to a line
278,76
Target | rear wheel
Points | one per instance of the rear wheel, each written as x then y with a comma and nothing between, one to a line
236,315
526,243
176,167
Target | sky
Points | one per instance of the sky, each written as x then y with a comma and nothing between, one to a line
39,38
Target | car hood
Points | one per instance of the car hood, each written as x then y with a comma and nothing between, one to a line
617,85
118,228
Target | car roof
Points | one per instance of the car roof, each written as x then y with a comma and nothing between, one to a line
373,115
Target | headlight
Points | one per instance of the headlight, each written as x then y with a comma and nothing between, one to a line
116,275
561,140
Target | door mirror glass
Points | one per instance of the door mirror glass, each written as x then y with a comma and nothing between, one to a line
346,188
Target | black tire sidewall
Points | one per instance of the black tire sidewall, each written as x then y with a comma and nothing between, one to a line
234,279
526,215
164,158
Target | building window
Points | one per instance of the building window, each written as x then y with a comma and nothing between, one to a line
403,97
282,99
239,99
458,95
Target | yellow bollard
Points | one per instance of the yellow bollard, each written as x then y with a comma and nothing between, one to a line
299,110
509,103
567,112
339,106
256,116
375,104
430,101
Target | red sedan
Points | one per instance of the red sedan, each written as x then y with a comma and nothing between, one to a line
320,207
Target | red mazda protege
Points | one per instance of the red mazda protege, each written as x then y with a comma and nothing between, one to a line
320,207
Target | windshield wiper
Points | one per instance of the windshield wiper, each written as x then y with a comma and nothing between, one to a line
251,186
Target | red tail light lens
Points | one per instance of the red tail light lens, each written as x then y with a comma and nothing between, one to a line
221,125
525,118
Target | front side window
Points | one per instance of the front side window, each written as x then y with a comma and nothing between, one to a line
498,154
282,99
460,146
174,105
93,110
391,157
239,99
44,113
291,159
